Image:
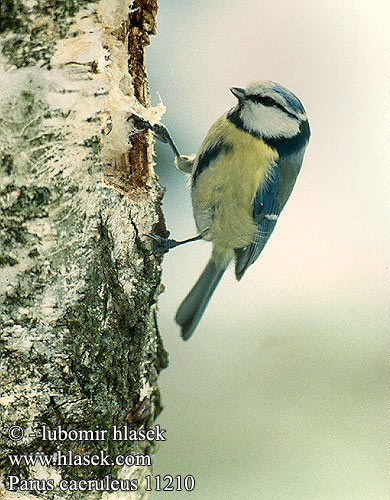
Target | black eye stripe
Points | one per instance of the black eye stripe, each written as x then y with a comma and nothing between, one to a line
268,101
265,100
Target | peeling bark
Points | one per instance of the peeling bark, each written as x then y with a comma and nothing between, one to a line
80,346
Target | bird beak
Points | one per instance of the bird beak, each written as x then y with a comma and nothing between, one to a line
239,93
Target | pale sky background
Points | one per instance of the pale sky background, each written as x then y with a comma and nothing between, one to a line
282,391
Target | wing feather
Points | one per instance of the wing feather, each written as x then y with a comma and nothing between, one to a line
265,213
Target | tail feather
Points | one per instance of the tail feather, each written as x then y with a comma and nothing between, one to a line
192,308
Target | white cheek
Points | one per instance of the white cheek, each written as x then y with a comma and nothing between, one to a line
269,121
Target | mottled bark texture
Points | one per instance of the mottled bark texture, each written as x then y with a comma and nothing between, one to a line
79,345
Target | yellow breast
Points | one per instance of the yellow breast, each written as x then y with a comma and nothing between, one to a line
223,193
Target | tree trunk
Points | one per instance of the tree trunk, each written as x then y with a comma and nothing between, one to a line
80,347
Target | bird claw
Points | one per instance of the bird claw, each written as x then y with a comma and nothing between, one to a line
161,132
139,122
161,244
158,129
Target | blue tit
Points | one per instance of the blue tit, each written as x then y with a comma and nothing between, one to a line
241,178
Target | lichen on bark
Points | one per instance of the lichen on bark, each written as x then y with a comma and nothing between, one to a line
79,345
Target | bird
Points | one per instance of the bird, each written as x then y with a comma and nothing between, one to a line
241,178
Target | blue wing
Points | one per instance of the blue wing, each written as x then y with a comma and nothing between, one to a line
265,213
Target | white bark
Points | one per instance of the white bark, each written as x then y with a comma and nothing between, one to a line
79,343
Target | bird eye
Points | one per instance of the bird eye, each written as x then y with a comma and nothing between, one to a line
267,101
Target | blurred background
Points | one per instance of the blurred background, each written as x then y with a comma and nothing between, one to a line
282,391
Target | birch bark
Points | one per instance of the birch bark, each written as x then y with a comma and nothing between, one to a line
80,346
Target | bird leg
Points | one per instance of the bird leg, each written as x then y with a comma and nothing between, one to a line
183,163
163,245
159,130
